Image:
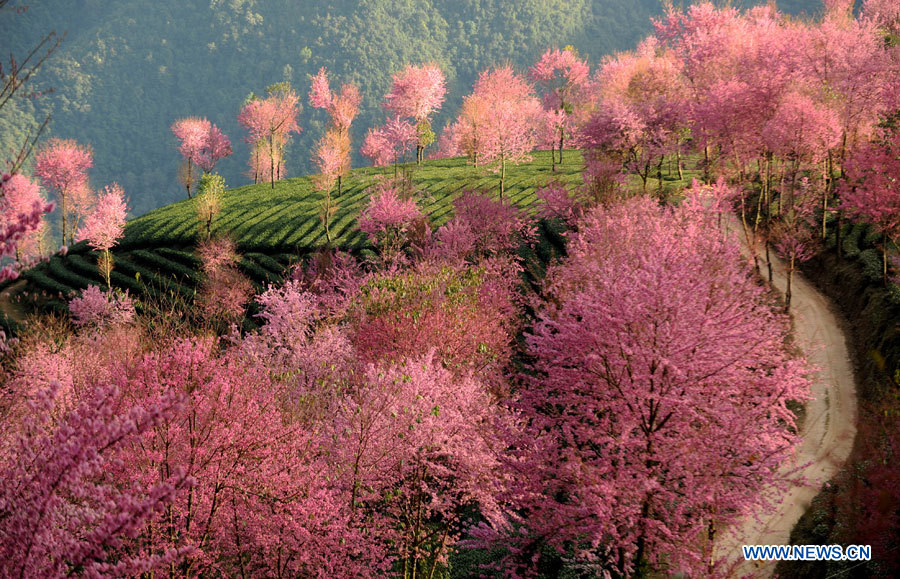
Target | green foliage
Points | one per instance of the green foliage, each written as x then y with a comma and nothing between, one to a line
851,240
871,261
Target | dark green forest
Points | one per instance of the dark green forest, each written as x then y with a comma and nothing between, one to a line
128,68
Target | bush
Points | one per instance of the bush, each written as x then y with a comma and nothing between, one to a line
851,240
872,264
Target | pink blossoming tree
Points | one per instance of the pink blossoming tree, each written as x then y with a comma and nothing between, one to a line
62,166
270,123
510,119
201,143
563,77
417,92
652,420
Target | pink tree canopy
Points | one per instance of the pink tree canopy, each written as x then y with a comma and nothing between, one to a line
651,417
564,80
417,92
62,167
333,153
201,143
270,123
21,198
105,226
386,144
510,118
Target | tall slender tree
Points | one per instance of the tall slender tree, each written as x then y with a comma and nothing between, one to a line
270,123
417,92
62,167
563,77
511,114
105,226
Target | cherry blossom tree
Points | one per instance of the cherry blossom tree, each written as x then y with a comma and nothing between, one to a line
445,463
884,12
564,77
387,218
270,123
417,92
17,224
333,159
201,143
495,228
63,513
105,226
20,197
224,291
794,233
653,421
97,309
511,115
468,132
871,191
245,508
387,144
850,59
333,155
62,166
802,132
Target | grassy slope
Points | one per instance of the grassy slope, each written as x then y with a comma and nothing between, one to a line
276,228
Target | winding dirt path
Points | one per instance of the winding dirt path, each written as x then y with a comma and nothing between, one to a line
7,307
827,433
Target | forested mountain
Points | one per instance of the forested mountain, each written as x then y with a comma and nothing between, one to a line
128,68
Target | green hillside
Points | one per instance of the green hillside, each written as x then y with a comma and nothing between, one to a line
276,228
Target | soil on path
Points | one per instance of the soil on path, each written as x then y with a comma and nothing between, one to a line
827,433
7,307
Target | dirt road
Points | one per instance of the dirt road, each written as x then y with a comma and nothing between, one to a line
827,433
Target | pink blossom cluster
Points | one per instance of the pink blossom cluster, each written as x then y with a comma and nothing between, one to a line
22,212
388,216
417,91
201,142
386,144
106,224
95,308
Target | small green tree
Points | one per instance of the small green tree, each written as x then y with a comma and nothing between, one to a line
208,203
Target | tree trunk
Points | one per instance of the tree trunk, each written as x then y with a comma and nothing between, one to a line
106,268
884,258
678,163
62,201
189,178
837,233
790,280
706,163
562,136
272,159
502,176
339,185
769,260
659,187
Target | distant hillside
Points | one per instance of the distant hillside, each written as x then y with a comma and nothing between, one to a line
128,68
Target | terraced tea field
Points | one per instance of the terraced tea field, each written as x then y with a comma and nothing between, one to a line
275,228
